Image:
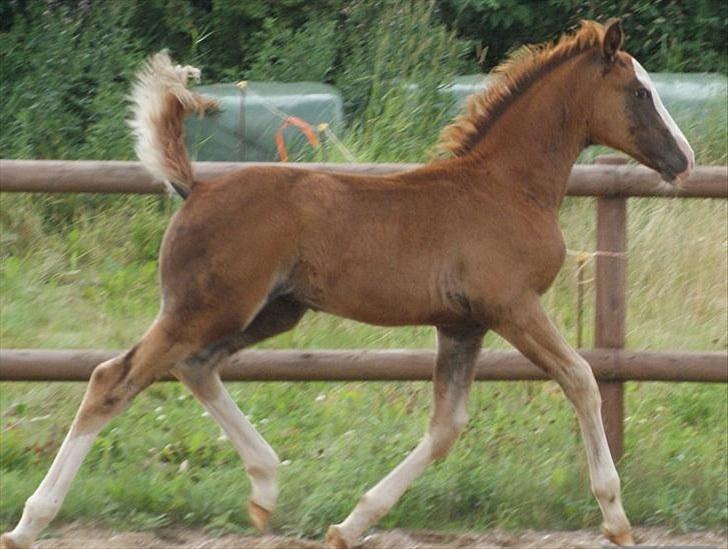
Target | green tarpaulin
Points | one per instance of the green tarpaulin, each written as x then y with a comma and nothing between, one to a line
250,116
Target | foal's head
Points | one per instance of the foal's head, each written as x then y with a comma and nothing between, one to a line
629,115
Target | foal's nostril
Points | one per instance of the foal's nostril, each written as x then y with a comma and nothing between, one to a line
686,166
683,175
682,162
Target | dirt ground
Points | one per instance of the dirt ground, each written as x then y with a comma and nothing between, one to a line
82,537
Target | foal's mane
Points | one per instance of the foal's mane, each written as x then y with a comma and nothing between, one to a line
512,78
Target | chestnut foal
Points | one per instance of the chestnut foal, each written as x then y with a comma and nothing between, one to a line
466,244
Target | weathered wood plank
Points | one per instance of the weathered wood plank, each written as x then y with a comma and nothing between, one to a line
91,176
391,365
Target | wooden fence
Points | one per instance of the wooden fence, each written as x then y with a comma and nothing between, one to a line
611,180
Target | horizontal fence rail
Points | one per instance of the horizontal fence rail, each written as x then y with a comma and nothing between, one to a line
611,180
91,176
388,365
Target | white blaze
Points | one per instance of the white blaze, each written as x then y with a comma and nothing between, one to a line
682,143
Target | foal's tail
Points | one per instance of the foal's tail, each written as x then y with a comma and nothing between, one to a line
160,100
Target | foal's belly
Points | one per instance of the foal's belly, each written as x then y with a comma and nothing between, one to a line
385,294
385,309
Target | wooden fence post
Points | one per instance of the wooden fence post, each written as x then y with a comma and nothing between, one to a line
611,303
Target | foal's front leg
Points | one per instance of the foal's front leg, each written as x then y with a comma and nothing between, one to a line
532,333
457,349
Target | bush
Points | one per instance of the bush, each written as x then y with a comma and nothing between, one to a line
666,35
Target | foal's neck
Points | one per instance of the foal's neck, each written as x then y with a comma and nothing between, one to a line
536,141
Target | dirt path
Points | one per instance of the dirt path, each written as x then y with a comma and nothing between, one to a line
82,537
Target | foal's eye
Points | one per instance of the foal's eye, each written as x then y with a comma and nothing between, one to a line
641,93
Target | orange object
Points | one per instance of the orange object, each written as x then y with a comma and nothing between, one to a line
300,124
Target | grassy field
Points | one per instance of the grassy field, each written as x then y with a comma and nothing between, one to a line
519,464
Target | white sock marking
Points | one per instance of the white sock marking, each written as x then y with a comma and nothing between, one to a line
42,506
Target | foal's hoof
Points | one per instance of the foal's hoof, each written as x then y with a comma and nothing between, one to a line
334,539
259,516
6,542
621,539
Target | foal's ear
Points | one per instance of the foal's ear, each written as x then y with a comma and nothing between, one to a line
612,41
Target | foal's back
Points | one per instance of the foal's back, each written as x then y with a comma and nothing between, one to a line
431,246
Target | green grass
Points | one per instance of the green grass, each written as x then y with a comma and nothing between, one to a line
519,464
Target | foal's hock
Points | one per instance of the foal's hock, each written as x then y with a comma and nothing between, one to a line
465,244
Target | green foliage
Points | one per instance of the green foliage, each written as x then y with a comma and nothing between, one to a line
290,56
665,35
406,48
65,65
63,78
671,35
394,42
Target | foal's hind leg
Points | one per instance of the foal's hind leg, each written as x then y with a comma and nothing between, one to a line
112,386
531,332
457,350
199,374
